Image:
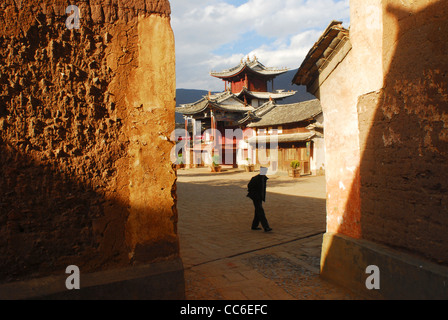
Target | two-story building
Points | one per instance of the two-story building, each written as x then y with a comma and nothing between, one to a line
299,129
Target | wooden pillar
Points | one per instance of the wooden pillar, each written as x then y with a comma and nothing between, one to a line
212,115
186,128
186,156
191,163
213,125
194,130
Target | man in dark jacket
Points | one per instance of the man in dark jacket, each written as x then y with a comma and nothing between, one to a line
257,192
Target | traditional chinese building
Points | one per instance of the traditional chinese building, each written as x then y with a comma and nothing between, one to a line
299,135
248,87
250,82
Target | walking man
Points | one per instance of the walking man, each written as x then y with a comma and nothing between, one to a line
257,192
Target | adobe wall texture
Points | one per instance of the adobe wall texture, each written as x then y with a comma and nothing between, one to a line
404,164
385,108
84,120
359,71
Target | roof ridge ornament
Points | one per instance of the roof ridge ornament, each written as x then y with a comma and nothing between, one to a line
255,66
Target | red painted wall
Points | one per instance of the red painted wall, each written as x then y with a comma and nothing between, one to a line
258,85
237,86
254,84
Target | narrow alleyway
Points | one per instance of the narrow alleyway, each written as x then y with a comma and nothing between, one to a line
225,260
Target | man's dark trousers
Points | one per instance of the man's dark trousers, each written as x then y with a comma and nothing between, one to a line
260,216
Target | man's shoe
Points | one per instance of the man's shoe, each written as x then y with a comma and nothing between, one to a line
256,228
267,229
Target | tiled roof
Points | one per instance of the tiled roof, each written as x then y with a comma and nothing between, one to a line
292,137
254,66
275,114
280,94
225,101
321,53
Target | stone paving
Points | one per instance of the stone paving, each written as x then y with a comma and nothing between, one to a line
225,260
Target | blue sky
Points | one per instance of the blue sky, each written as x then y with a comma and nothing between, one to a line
216,35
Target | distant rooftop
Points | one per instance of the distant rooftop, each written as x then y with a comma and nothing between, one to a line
254,66
279,94
225,101
272,114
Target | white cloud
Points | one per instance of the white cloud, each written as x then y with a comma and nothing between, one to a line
287,54
289,28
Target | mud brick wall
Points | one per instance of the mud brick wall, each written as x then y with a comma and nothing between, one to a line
404,166
85,114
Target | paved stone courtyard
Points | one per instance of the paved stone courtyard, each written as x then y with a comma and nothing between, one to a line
225,260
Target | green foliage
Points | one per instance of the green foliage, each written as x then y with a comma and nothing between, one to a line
216,160
180,159
295,164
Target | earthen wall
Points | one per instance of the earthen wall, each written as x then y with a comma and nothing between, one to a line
385,106
85,117
404,168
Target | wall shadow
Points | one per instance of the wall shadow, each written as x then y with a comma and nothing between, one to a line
47,221
50,219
